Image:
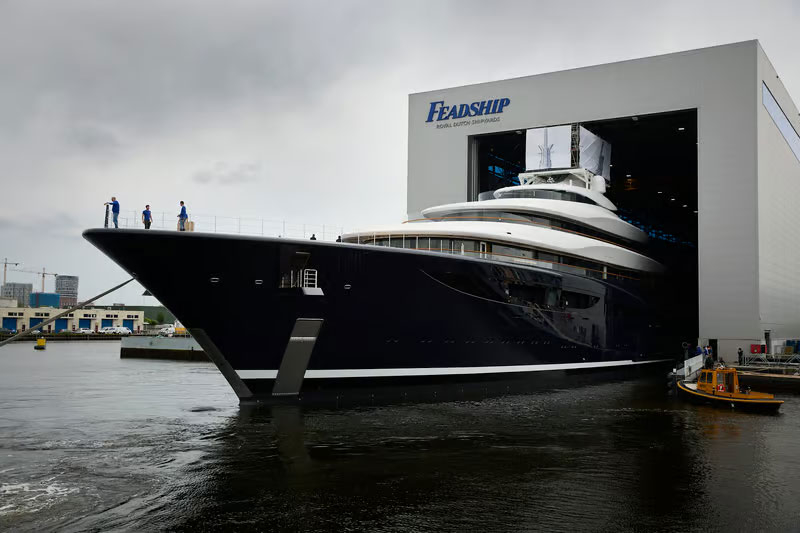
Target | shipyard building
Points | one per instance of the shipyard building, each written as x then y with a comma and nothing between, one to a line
700,149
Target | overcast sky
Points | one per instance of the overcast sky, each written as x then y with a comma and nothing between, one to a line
291,111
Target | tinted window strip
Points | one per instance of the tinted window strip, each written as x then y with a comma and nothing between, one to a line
781,120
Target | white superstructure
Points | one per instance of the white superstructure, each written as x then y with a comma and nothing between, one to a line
557,219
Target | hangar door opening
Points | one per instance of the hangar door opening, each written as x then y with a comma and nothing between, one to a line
652,179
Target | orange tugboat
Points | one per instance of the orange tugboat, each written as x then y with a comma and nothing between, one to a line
720,386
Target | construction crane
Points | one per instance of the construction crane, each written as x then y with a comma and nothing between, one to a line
43,273
5,268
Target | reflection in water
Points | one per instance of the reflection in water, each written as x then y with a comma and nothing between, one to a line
89,442
613,456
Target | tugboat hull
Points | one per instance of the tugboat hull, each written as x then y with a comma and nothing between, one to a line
729,402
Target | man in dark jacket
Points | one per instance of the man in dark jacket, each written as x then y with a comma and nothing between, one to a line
114,210
183,217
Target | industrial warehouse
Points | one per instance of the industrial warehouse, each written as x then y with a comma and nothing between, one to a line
24,318
700,150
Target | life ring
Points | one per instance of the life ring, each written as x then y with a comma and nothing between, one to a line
721,388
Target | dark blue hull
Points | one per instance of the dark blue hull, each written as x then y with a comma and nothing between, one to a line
387,319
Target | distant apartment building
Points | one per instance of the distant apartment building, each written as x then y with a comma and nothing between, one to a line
67,287
21,292
20,319
44,299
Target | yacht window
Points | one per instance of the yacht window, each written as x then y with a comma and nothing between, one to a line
547,195
543,256
464,247
540,220
502,250
577,300
541,295
513,254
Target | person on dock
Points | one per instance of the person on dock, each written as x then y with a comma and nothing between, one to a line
313,237
147,217
182,217
741,355
114,210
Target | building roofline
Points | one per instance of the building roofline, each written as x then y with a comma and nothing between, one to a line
586,67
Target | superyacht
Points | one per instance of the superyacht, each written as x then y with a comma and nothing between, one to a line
534,285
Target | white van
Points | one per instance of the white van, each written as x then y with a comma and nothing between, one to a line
114,330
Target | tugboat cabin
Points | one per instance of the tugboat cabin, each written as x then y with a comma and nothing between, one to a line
719,381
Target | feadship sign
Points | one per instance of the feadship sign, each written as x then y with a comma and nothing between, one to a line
444,114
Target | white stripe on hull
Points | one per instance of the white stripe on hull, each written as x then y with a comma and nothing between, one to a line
446,371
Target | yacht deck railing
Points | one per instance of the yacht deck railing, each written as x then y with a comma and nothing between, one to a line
233,225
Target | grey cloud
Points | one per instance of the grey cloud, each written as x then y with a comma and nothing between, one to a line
146,65
225,174
93,139
59,224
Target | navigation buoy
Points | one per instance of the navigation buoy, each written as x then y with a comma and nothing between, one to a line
40,344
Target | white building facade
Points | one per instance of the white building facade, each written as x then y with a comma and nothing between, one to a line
747,166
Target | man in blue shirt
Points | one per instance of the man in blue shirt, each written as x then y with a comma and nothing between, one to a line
147,217
114,210
183,217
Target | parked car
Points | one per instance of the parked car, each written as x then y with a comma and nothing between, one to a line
115,330
5,330
166,332
85,331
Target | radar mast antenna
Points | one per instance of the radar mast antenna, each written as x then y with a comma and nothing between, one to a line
544,153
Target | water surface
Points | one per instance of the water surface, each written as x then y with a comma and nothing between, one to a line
92,442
